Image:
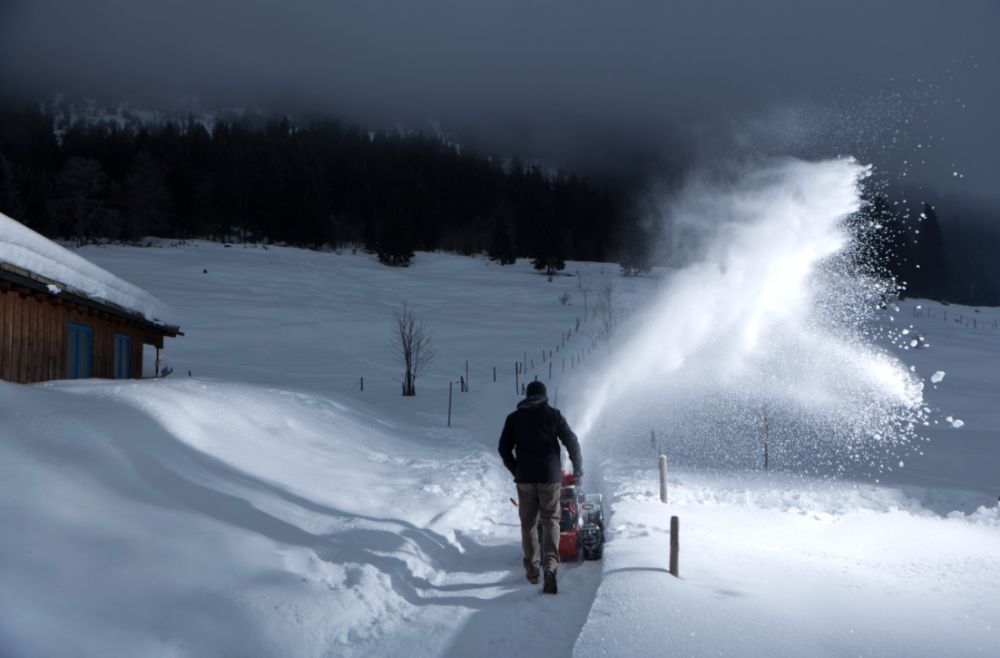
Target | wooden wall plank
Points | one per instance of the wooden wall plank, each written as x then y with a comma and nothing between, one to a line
14,300
18,348
3,331
30,340
62,337
5,335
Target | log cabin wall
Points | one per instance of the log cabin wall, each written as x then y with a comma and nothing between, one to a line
34,330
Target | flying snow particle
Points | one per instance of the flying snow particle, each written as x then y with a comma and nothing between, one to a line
937,377
957,423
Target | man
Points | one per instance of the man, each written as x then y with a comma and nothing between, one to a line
529,447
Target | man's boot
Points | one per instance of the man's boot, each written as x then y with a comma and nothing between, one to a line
550,586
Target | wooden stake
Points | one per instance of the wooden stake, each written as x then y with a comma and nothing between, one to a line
362,384
675,545
517,379
449,403
550,370
663,478
765,437
494,374
466,375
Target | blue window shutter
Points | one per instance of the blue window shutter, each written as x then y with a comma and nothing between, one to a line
123,356
79,351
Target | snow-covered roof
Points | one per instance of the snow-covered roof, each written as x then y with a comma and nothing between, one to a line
41,258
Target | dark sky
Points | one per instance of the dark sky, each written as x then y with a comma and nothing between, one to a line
606,85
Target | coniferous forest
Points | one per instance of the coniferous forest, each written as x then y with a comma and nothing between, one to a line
318,184
327,184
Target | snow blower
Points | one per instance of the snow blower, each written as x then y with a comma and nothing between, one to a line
581,523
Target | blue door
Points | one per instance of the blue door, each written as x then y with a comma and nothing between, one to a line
79,351
123,356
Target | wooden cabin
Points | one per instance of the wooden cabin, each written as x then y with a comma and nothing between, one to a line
51,329
47,333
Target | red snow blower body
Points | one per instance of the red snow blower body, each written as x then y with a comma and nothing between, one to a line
581,523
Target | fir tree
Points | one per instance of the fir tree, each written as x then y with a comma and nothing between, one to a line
394,245
10,198
931,257
549,250
501,247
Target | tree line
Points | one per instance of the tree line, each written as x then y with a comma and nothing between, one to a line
327,184
320,184
911,248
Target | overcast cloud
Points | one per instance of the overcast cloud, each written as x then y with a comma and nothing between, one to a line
598,84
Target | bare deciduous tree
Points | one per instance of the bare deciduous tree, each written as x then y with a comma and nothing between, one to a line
411,343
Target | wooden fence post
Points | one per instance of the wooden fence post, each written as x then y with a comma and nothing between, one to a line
675,545
494,374
362,384
766,432
663,478
449,403
550,370
517,379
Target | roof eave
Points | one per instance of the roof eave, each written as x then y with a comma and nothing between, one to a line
37,283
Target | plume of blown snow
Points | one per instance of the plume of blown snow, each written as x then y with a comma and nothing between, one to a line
765,323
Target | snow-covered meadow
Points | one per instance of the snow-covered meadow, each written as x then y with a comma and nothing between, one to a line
266,505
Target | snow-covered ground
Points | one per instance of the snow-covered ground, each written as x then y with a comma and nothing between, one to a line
265,505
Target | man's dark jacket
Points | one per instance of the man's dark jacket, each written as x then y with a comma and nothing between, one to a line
529,443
